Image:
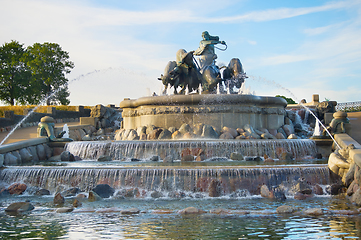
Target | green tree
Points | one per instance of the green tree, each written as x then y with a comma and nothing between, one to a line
289,100
49,64
14,75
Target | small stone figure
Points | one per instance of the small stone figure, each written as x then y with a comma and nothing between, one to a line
46,128
339,123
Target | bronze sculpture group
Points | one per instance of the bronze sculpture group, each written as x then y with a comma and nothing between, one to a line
188,74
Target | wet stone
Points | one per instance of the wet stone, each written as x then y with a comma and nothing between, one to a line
64,209
42,192
104,190
285,209
130,211
19,207
58,199
191,210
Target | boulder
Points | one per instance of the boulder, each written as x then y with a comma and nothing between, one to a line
70,192
357,176
130,211
189,135
265,192
1,160
172,129
215,188
352,188
34,153
187,158
288,128
201,155
141,130
198,129
286,156
168,159
42,192
155,159
280,136
150,128
93,196
10,159
279,194
226,135
267,136
143,136
156,194
132,135
356,197
191,210
41,152
17,155
17,188
220,211
104,158
64,209
185,128
231,131
104,190
25,155
177,135
77,203
303,187
118,136
280,130
300,196
154,135
336,189
292,136
209,132
48,151
349,176
165,134
313,211
236,156
19,207
285,209
317,189
66,156
58,199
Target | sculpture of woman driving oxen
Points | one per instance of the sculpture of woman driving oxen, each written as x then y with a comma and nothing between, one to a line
187,73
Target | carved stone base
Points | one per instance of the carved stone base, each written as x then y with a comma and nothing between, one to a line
233,111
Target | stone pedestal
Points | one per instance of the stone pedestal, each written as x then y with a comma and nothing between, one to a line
233,111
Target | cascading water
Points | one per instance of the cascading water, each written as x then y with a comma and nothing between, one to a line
232,180
299,148
305,107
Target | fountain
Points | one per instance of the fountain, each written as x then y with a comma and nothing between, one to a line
178,151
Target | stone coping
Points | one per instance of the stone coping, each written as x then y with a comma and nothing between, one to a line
22,144
205,99
74,127
344,140
295,166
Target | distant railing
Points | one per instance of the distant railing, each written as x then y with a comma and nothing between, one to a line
349,106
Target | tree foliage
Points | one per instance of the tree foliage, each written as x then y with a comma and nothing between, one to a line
289,100
13,73
41,73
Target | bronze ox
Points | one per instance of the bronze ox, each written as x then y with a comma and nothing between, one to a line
184,73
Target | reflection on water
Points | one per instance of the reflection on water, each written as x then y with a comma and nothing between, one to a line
262,223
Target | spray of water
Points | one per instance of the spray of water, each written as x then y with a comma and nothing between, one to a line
42,102
263,80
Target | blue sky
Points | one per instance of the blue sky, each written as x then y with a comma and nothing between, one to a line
120,48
